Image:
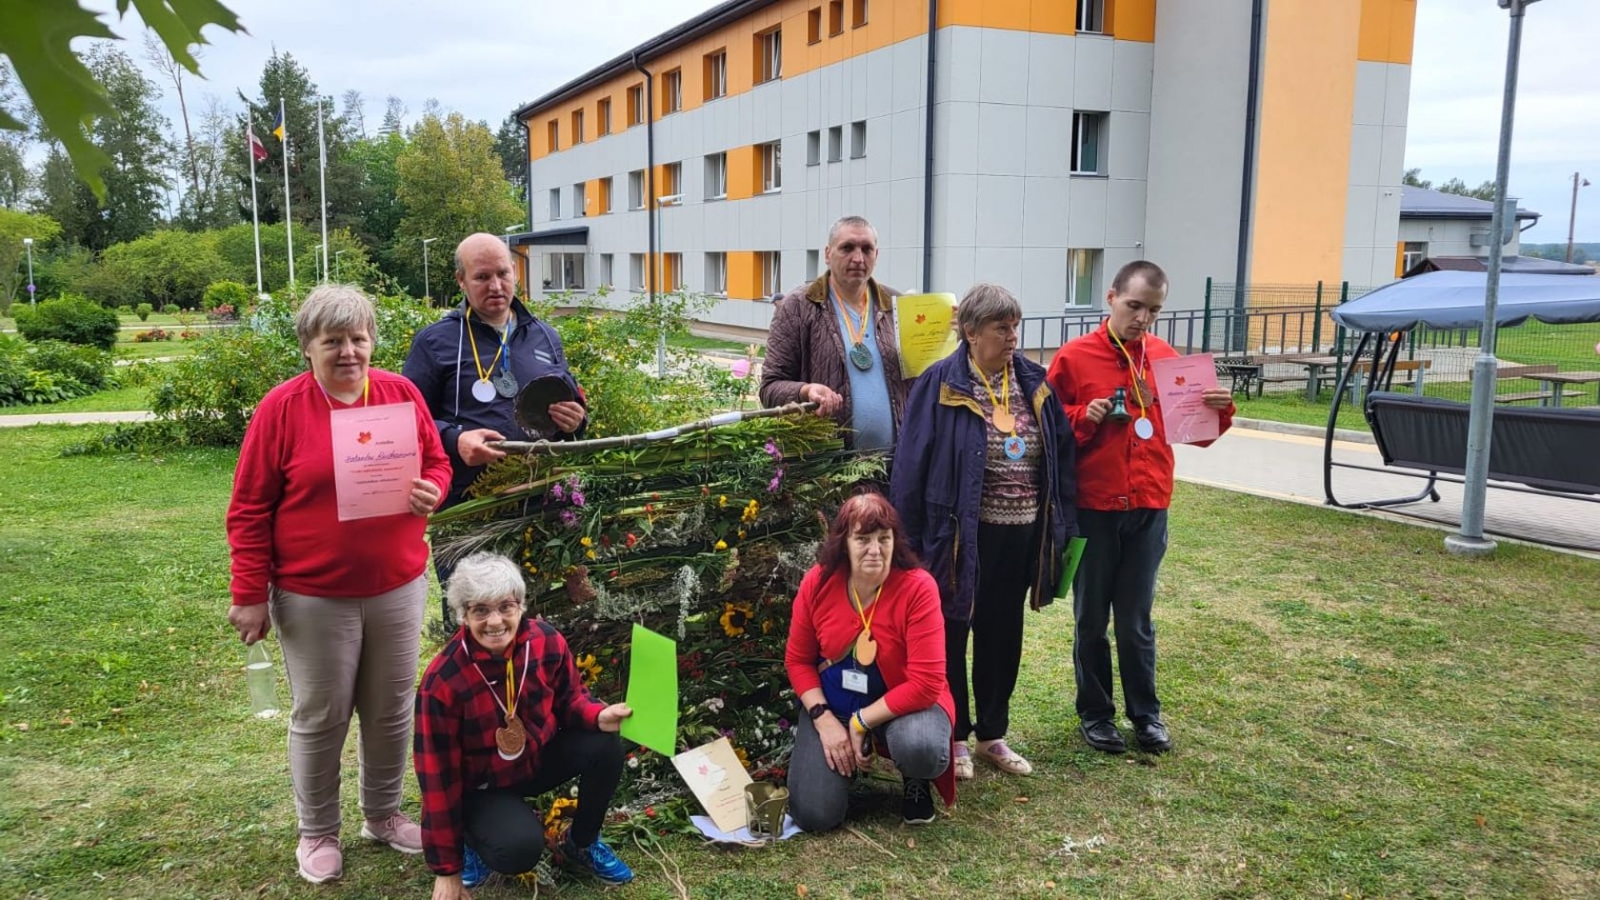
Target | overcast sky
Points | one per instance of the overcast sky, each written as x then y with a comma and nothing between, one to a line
485,57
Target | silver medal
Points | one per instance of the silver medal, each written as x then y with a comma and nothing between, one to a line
1144,428
482,391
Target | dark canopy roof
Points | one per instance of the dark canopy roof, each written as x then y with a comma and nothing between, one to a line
1531,264
1455,300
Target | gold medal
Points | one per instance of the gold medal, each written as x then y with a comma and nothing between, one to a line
866,649
511,739
1004,420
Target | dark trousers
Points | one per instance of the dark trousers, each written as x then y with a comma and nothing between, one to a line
1117,580
1007,561
509,834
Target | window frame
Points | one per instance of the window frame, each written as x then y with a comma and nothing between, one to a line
771,167
717,273
580,200
636,189
716,86
716,176
771,272
1102,128
636,105
770,62
602,116
555,204
858,139
672,92
1092,12
835,18
561,263
814,25
577,127
1093,257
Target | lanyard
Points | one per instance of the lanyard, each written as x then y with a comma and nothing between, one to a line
483,374
1005,388
509,707
866,620
366,387
857,336
1138,371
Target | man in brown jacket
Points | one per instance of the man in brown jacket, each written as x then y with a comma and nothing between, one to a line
833,341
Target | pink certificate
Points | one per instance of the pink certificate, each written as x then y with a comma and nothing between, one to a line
375,457
1180,383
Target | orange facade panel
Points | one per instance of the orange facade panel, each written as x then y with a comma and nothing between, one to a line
1388,28
744,173
1131,20
744,275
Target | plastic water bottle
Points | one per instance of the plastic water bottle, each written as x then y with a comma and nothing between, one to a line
263,681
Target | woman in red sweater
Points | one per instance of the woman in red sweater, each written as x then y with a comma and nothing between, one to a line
346,594
866,659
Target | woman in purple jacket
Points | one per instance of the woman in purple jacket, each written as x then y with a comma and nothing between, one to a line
983,471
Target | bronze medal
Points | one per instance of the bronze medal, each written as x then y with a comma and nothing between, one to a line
511,739
866,649
1144,390
1003,420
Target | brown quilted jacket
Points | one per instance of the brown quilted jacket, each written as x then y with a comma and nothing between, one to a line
804,347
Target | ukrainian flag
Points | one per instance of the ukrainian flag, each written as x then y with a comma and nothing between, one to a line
277,126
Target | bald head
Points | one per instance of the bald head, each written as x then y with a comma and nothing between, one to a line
486,275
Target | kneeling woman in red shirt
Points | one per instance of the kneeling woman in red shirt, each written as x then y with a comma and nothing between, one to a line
866,658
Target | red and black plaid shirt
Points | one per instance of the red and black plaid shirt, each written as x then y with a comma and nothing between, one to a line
457,715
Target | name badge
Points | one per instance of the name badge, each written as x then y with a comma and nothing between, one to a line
855,680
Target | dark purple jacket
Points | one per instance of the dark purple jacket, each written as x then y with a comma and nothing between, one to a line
937,482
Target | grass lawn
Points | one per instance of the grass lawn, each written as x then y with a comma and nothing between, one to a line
127,348
1357,713
117,400
696,342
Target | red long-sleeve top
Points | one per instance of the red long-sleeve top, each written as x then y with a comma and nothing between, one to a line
1116,469
283,521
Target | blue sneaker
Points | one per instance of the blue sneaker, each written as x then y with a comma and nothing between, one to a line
597,860
474,871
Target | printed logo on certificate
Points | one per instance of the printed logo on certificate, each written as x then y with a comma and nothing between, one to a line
375,458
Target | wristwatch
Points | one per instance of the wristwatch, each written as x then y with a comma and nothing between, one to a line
816,712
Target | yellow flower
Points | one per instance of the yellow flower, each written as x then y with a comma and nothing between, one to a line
741,534
744,758
735,616
722,545
589,668
589,554
558,810
722,500
586,541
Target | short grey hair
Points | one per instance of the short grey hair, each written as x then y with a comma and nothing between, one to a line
850,222
985,303
335,309
484,578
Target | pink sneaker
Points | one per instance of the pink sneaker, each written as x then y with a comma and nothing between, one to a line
397,830
320,858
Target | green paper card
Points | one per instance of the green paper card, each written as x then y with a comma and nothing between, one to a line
1069,565
653,692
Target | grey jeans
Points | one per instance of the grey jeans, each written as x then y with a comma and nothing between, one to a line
819,797
345,656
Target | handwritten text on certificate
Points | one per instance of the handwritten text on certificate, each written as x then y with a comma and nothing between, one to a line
375,457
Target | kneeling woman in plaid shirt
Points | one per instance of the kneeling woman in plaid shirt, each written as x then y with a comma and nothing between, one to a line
502,715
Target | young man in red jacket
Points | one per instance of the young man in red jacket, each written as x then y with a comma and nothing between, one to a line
1124,488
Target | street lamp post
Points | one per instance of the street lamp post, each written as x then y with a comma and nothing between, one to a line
336,269
1572,220
316,262
28,242
1480,419
427,287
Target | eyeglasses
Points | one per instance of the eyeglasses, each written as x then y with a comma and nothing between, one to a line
479,612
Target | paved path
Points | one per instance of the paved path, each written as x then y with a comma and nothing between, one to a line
91,418
1287,464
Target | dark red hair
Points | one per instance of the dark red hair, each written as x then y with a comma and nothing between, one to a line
863,514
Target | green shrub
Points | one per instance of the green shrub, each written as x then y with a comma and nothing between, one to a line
49,371
87,366
143,311
171,309
225,293
70,319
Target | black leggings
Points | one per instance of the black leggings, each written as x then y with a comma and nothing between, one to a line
509,834
1007,561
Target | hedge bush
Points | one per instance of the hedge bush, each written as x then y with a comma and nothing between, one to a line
49,371
70,319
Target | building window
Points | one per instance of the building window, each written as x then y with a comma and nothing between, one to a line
602,117
1081,268
717,273
836,143
671,183
672,92
636,189
858,139
1092,16
555,203
1416,252
1089,143
716,75
636,105
772,167
577,126
580,201
563,271
553,129
771,273
672,271
814,148
635,271
858,13
769,56
605,197
813,259
717,176
814,25
835,18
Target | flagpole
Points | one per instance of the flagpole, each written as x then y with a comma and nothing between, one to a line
255,218
322,177
288,221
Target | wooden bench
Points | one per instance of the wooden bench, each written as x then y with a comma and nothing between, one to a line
1543,396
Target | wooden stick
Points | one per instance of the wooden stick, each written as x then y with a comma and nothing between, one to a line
557,448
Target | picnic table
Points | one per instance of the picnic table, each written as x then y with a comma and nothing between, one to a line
1558,380
1314,366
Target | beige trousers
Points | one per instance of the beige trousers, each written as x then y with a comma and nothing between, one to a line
345,656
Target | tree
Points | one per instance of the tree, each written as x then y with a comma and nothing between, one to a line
215,201
1413,178
36,36
168,66
394,116
170,266
380,200
13,144
451,185
16,225
1484,191
511,144
355,111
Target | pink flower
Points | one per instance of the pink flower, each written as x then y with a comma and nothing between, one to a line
569,518
556,493
740,368
775,483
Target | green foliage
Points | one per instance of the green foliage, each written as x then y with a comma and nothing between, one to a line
168,267
70,319
14,227
63,270
36,36
171,309
450,185
226,293
49,371
143,311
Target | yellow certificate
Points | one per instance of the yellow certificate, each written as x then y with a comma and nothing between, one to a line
925,324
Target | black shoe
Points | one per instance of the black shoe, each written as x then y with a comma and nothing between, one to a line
1153,737
1103,736
916,803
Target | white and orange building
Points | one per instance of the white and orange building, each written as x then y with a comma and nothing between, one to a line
1039,144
